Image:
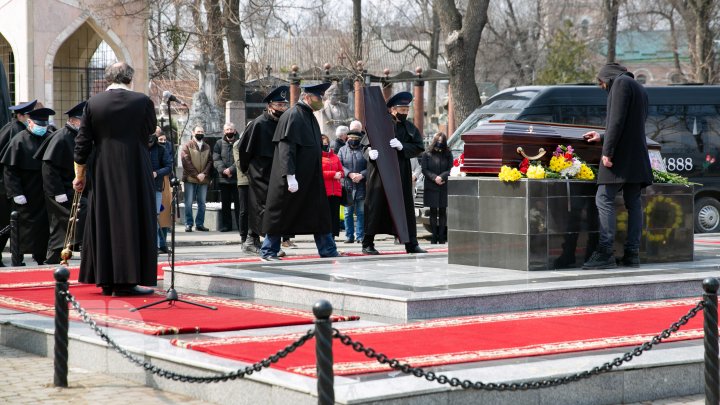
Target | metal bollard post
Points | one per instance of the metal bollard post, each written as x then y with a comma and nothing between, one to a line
323,352
62,275
710,326
15,256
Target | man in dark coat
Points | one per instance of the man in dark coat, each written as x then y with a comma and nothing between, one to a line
255,152
24,184
7,132
409,144
56,155
119,245
296,200
625,164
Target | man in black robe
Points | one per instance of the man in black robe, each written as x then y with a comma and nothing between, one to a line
409,144
23,183
7,132
255,152
56,155
296,200
625,165
119,244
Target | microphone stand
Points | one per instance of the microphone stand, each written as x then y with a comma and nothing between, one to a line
171,297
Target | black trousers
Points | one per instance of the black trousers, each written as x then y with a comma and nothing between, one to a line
228,196
438,220
241,211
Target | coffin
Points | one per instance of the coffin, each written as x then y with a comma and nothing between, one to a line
490,146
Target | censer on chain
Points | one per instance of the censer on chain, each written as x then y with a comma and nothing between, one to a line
66,253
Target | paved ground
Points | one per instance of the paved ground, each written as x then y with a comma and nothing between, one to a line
27,378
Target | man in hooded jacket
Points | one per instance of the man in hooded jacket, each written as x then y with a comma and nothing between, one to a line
625,164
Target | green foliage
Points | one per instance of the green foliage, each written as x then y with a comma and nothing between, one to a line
567,60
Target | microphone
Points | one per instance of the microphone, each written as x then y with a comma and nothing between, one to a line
167,96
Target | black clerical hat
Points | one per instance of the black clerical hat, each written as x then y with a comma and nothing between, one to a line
279,95
76,111
401,99
316,89
41,116
23,108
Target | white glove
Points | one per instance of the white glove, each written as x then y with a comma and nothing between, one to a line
373,154
20,199
292,183
394,143
61,198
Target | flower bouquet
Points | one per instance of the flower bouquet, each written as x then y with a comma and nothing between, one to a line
564,164
456,170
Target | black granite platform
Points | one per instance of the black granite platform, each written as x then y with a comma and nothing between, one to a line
553,224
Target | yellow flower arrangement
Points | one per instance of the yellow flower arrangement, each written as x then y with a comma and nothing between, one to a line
558,163
509,174
535,172
585,173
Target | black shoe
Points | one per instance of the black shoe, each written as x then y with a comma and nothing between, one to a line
164,249
600,260
349,241
416,249
130,291
359,240
564,262
631,258
269,258
225,229
188,228
106,291
370,251
201,228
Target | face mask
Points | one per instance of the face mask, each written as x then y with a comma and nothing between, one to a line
440,145
354,143
199,137
231,135
163,141
326,148
38,130
76,128
276,113
401,117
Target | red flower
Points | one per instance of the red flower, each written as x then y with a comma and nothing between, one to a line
524,166
568,156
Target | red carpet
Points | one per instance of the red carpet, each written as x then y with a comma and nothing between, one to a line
476,338
161,319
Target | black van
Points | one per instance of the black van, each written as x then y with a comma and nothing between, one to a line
685,120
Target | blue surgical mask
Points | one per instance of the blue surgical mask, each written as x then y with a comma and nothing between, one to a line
38,130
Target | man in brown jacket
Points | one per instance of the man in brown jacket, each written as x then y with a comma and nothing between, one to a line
197,162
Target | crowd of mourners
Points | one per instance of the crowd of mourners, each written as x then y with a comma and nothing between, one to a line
278,178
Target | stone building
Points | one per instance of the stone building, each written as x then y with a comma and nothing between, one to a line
56,50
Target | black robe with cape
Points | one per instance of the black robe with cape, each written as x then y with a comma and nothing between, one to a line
298,151
120,239
56,155
377,212
23,176
256,151
7,132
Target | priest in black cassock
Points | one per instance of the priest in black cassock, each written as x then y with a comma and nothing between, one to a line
24,185
56,155
255,152
409,144
15,126
296,200
119,245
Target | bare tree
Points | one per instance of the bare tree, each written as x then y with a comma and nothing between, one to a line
697,16
462,39
357,29
612,10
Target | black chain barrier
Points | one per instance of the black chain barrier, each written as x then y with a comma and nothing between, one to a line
240,373
527,385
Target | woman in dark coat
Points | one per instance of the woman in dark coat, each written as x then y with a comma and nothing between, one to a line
436,163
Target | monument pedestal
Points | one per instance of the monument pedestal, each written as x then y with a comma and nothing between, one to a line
553,224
